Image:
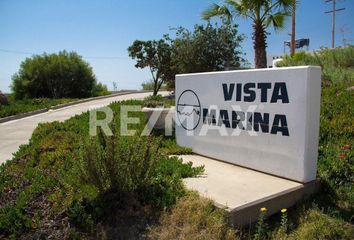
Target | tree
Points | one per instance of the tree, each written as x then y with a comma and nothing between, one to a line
263,13
293,28
54,76
3,99
156,55
207,48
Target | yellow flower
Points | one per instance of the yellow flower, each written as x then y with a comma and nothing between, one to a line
263,209
284,210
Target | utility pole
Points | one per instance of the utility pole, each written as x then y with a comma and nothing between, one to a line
333,11
114,86
292,44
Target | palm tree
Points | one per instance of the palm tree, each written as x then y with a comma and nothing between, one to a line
293,29
263,13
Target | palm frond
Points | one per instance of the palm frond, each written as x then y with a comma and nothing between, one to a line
283,7
234,3
276,20
243,8
216,10
286,5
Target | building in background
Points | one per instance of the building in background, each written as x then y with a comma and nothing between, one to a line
272,59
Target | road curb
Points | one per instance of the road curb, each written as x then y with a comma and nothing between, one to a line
39,111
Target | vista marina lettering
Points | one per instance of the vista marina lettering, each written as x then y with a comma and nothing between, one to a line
251,119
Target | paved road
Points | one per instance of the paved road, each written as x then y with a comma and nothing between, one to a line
17,132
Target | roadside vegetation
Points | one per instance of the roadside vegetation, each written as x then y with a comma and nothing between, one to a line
14,107
193,217
47,80
158,101
61,75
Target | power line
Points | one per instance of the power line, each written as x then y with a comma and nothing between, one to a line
121,58
86,57
17,52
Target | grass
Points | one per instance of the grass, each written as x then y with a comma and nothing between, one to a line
193,217
22,106
316,224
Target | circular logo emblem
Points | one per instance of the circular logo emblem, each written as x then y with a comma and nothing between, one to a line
188,110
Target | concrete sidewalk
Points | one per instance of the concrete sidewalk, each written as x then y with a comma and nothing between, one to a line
17,132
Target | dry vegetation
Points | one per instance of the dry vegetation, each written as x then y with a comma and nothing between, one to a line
193,217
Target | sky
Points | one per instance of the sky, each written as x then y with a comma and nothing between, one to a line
102,30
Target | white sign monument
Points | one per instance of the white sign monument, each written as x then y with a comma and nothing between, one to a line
264,119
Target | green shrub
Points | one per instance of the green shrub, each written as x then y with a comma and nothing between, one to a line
62,75
325,57
121,164
169,145
100,90
158,100
173,165
133,165
337,64
153,104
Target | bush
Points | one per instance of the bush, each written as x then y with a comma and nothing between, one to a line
133,166
119,164
157,101
325,57
100,90
62,75
158,98
154,101
337,64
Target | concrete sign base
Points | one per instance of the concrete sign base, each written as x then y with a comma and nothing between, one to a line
244,191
